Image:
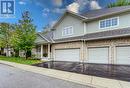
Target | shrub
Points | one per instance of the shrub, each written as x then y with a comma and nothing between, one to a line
45,54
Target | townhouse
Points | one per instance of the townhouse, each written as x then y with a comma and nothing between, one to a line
98,36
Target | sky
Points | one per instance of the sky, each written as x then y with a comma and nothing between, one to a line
44,12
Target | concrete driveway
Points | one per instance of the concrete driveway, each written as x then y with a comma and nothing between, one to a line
11,77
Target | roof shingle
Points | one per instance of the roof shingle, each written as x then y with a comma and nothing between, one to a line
105,11
99,35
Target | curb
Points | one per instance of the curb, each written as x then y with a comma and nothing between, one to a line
63,75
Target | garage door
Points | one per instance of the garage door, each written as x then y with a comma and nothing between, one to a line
123,55
98,55
67,55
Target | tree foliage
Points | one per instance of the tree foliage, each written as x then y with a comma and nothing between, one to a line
25,34
119,3
5,34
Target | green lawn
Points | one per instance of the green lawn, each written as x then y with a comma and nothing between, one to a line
20,60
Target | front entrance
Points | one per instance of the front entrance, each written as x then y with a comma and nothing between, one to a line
42,51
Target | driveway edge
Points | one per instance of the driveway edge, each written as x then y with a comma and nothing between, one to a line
92,81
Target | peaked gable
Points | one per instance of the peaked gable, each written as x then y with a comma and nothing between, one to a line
40,40
75,15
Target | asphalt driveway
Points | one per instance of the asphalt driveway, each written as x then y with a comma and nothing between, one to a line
119,72
11,77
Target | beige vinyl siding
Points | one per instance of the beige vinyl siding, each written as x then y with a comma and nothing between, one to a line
124,22
78,27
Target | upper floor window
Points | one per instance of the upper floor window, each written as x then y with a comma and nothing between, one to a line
67,31
107,23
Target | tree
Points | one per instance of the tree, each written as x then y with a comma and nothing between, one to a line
15,40
25,34
119,3
1,45
5,34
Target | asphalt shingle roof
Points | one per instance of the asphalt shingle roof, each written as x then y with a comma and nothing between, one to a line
105,11
108,34
99,35
48,36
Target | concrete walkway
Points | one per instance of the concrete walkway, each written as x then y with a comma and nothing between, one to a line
93,81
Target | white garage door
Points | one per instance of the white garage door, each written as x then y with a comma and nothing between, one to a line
123,55
67,55
98,55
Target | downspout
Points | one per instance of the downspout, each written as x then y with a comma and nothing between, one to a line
83,40
83,47
83,56
83,50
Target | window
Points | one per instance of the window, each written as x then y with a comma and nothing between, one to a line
67,31
108,23
111,22
102,24
114,21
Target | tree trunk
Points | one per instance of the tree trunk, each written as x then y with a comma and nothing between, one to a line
28,54
2,51
7,51
16,53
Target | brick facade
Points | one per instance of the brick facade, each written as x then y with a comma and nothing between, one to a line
111,43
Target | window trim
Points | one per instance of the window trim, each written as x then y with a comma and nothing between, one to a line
67,34
109,19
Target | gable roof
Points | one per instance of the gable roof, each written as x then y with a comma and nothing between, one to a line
123,32
94,14
45,37
70,13
48,36
40,40
105,12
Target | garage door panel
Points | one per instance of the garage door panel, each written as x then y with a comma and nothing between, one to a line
123,55
98,55
67,55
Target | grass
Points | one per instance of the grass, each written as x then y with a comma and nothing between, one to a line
20,60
